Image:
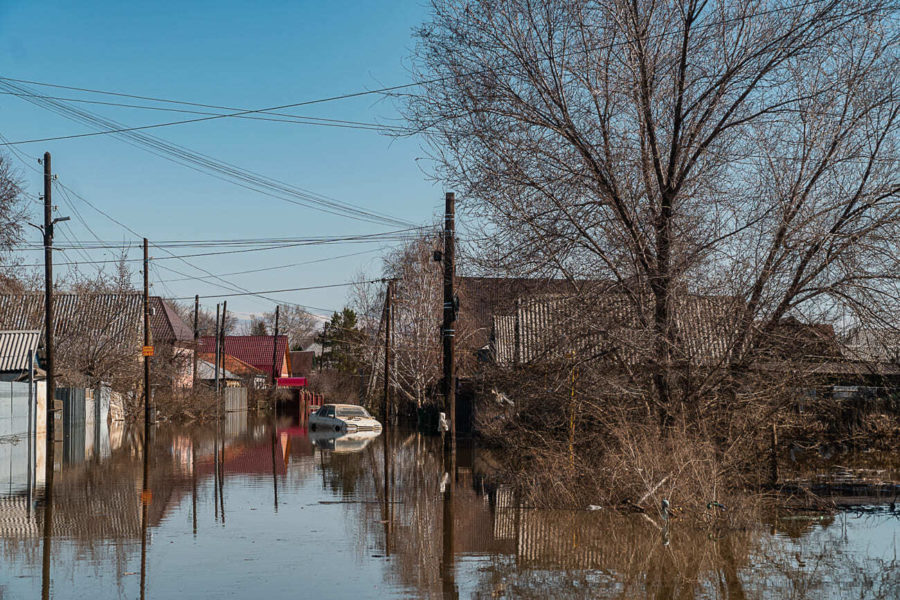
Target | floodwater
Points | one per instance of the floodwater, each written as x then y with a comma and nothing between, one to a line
264,508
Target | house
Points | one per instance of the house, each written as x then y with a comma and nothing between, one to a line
255,350
611,327
19,356
95,332
206,372
245,372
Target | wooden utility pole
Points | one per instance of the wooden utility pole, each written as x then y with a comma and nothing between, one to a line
48,295
222,344
196,336
388,318
448,332
275,346
147,342
216,355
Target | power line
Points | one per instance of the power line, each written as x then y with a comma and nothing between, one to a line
383,90
297,264
211,166
281,291
285,117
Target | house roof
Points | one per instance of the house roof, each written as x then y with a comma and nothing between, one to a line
483,298
232,363
206,371
873,345
116,315
255,350
16,347
553,326
166,325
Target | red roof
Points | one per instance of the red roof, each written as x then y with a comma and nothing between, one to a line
255,350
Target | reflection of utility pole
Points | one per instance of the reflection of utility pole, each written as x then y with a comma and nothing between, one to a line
447,566
48,519
448,332
146,497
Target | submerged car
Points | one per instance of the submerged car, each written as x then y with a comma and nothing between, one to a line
342,418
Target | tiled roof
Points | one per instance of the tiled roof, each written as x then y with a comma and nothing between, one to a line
255,350
16,347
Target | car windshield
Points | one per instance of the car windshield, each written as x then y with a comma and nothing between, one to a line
352,411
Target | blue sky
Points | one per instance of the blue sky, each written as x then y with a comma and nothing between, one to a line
243,54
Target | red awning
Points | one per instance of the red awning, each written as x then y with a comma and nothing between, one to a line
291,382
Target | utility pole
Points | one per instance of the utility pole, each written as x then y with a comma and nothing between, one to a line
222,344
216,356
47,230
196,336
388,318
448,331
147,343
275,346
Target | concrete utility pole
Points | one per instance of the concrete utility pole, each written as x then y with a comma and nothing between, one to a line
147,342
388,318
275,347
448,333
196,336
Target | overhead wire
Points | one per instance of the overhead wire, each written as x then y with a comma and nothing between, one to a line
382,91
283,117
213,167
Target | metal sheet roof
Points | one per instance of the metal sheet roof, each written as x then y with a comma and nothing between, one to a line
15,348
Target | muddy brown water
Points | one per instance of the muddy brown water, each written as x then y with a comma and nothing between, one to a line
253,508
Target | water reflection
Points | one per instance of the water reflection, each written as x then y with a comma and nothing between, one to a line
396,515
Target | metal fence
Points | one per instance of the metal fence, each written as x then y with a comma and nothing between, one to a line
17,426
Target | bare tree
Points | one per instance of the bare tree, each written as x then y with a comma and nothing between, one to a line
12,220
418,303
297,324
721,147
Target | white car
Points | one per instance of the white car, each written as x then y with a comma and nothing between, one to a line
343,418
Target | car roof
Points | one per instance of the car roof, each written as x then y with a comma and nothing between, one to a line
344,405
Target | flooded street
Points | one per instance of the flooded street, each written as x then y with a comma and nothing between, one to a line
265,508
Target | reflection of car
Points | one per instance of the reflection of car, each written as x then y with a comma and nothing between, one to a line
343,418
342,443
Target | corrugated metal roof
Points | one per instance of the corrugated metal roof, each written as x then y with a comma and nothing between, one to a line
16,347
166,324
232,363
552,327
206,371
255,350
119,315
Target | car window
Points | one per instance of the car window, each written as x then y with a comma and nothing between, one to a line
329,412
352,411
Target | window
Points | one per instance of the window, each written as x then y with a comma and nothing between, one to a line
352,411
